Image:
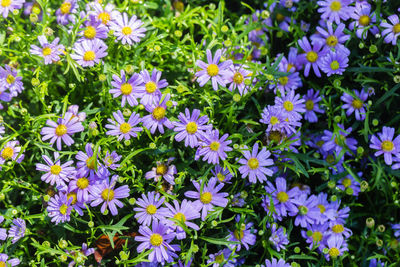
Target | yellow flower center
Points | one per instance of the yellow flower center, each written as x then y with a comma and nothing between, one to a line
335,65
63,209
312,56
338,228
125,127
320,143
220,258
289,67
156,240
36,8
334,252
10,79
7,153
279,17
238,234
6,3
322,208
126,88
74,197
180,217
61,130
161,169
387,145
82,183
237,78
288,105
342,139
151,87
46,51
90,32
357,104
396,28
364,20
303,210
212,70
65,8
159,113
274,120
220,177
214,146
3,264
282,197
275,136
151,209
336,6
126,30
253,163
283,80
330,159
346,182
89,56
191,127
90,163
107,194
55,169
309,105
104,17
206,197
332,41
317,236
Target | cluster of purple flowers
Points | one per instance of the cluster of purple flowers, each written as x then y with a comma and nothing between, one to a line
10,84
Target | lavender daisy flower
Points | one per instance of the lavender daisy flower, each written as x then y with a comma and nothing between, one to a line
106,14
396,229
3,232
245,235
292,105
355,104
217,72
282,197
311,100
74,109
275,263
223,175
88,53
81,186
59,208
222,257
49,51
127,88
335,10
391,31
191,127
311,56
334,63
110,160
339,229
150,92
208,197
127,30
336,141
4,96
11,151
350,185
86,164
385,144
278,237
333,39
17,230
308,210
149,208
182,213
157,119
163,170
62,130
10,80
213,148
338,215
291,81
6,262
124,129
364,20
276,121
158,239
255,163
7,6
316,235
66,11
78,206
94,29
237,78
56,172
336,246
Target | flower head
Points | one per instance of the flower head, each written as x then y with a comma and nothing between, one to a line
149,208
128,88
355,104
88,52
335,10
157,119
150,92
255,163
56,172
391,31
213,148
124,129
17,230
128,31
49,51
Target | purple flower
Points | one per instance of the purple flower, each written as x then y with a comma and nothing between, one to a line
66,11
217,72
149,208
88,53
385,144
276,120
158,239
157,119
56,172
276,263
339,229
181,213
308,210
110,160
127,88
335,10
336,246
355,104
150,92
191,127
59,208
124,129
237,77
311,101
278,237
81,186
86,164
93,30
392,31
74,109
4,257
62,130
162,170
282,197
312,56
245,235
292,105
224,257
11,151
291,81
49,51
333,39
10,80
85,251
336,141
364,20
396,229
223,175
334,63
3,232
7,6
316,235
207,198
213,148
17,230
127,30
255,163
106,14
